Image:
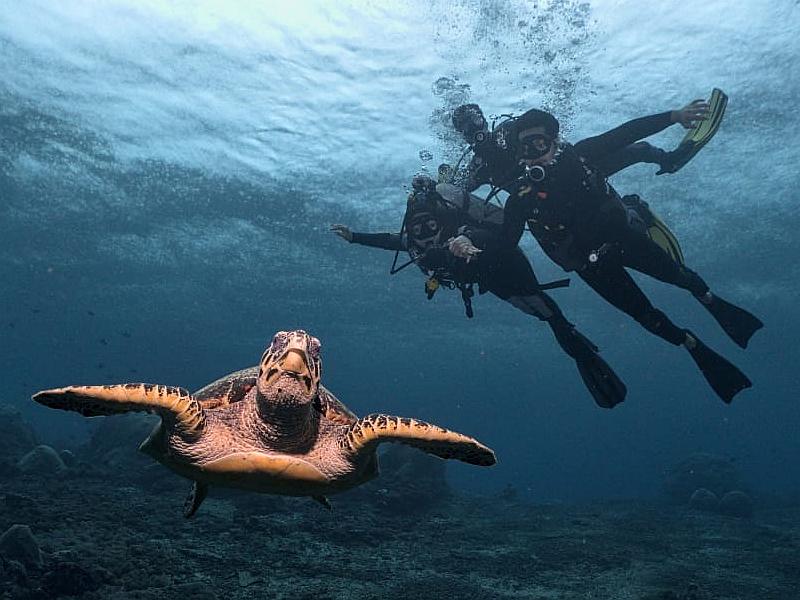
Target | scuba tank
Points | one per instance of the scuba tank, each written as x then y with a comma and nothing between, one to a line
474,207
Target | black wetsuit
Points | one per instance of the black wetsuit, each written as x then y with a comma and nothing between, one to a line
498,166
505,273
580,222
508,275
493,161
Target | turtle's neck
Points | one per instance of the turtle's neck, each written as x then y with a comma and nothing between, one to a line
288,427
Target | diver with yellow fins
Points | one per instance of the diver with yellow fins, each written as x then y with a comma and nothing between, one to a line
561,193
494,161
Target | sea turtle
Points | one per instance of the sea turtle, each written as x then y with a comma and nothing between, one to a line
272,428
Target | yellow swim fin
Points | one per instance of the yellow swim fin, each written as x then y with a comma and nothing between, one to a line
663,236
698,136
642,218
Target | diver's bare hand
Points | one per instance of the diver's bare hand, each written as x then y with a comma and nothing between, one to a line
343,231
691,114
462,247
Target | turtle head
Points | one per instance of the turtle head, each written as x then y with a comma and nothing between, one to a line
290,368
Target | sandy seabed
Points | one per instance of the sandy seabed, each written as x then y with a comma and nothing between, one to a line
104,538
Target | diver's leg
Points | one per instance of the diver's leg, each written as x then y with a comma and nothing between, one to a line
639,252
610,279
614,284
514,281
640,152
643,254
510,277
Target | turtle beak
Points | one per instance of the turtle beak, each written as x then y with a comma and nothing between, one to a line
294,361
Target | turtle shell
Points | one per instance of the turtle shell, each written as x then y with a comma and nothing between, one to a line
228,389
234,387
333,408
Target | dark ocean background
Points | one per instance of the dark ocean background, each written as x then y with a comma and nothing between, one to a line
169,171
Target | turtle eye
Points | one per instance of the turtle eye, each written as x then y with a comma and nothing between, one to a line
313,348
279,342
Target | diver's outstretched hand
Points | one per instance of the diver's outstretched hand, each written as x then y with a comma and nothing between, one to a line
691,114
343,231
462,247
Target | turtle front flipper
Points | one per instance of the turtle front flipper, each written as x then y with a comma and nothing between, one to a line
369,431
173,404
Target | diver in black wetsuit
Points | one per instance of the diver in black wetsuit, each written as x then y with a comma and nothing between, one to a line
579,220
434,228
494,161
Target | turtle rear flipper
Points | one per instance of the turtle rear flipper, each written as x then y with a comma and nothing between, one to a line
323,500
369,431
173,404
195,498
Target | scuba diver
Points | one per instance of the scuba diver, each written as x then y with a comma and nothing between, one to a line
581,223
494,161
435,227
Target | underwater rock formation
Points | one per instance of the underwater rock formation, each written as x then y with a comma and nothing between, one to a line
69,579
68,457
16,438
410,481
737,504
18,544
12,572
704,500
714,473
115,442
42,460
113,451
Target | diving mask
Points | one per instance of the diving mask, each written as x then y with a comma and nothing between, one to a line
425,228
534,145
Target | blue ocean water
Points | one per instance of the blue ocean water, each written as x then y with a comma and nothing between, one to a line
169,171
